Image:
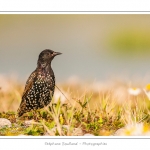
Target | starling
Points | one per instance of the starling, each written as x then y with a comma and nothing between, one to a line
40,86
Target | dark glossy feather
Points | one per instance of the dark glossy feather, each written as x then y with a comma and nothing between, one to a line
40,86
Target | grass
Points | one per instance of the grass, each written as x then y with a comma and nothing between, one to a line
86,108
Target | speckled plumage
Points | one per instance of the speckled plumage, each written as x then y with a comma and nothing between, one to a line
40,86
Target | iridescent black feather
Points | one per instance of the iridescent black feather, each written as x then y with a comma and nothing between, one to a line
40,86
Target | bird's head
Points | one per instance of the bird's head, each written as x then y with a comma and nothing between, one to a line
46,56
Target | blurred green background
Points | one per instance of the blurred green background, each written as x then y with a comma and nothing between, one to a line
94,46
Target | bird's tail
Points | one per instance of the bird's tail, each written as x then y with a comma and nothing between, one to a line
20,112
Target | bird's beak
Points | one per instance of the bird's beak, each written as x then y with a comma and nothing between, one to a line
56,53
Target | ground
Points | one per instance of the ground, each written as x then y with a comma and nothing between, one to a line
84,108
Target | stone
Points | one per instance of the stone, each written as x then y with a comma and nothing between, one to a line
4,122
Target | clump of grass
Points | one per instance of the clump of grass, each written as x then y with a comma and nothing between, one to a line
86,110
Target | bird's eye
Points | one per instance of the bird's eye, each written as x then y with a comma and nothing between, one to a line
51,53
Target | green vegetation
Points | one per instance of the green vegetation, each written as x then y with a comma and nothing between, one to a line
129,43
98,111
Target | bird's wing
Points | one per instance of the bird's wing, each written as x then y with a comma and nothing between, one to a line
29,83
21,110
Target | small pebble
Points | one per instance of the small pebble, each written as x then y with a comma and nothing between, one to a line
4,122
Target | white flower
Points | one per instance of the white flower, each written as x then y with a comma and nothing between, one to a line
74,80
147,90
59,96
136,129
134,91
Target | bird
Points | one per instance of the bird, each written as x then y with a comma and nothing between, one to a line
40,86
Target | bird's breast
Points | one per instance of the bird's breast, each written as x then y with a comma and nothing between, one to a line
46,78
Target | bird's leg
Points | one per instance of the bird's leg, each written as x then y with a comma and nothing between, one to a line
35,115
